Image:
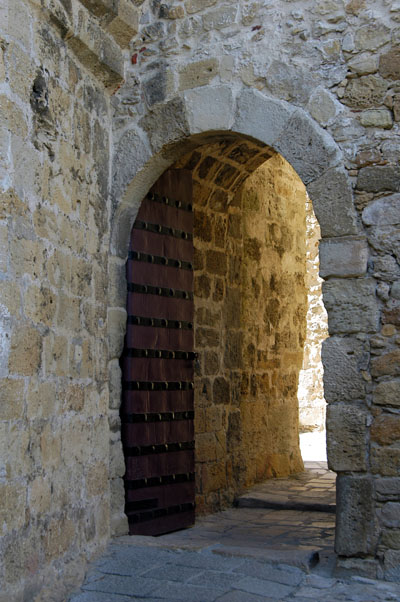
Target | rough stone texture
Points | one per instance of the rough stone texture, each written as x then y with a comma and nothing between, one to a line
331,195
346,436
60,135
351,305
387,393
54,395
345,363
310,393
344,257
249,329
383,212
355,524
379,178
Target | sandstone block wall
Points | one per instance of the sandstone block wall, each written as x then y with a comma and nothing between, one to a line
54,423
250,317
312,404
316,81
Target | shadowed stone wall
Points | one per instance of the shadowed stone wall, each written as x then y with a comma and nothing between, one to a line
250,307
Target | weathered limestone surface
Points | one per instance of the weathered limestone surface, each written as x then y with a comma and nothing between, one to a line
310,393
319,82
250,323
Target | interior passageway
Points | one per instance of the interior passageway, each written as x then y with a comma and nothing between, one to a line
258,325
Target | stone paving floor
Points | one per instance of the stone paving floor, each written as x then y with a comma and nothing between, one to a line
313,489
238,555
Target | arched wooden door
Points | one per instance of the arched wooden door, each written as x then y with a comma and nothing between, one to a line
157,409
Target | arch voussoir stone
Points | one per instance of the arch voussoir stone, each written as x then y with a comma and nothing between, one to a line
261,117
209,108
332,198
308,148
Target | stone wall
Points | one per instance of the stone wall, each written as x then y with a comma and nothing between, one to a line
312,405
316,81
54,233
250,306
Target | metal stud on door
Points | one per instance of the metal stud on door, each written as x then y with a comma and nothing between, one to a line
157,363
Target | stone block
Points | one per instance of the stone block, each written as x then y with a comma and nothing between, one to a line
97,479
378,178
323,107
25,352
364,64
383,212
221,391
385,429
351,305
40,305
199,73
261,117
385,267
117,460
116,327
203,226
58,537
124,24
118,521
165,124
158,86
302,133
390,514
387,364
343,257
387,393
385,461
115,380
220,18
365,92
211,363
130,155
371,36
11,398
209,108
332,199
362,567
389,64
40,495
391,565
233,354
75,398
391,313
289,82
213,477
388,488
346,437
205,450
194,6
41,400
343,360
377,118
202,286
355,518
386,239
12,506
216,262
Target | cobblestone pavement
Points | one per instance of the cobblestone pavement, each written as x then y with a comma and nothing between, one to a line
238,555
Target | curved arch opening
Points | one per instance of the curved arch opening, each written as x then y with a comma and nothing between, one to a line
250,316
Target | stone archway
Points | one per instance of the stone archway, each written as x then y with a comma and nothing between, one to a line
203,116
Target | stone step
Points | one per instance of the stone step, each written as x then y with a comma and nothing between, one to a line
313,490
263,500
